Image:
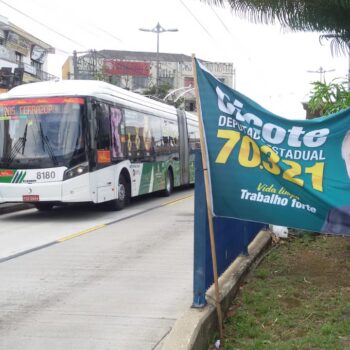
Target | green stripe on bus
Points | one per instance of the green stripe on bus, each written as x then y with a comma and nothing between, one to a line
5,179
14,179
22,177
146,178
19,176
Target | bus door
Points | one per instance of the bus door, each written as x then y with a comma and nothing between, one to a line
184,152
104,176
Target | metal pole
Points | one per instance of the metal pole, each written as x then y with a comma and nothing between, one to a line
322,71
75,65
157,77
176,90
158,29
209,205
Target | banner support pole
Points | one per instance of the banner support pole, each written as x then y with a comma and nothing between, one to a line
209,203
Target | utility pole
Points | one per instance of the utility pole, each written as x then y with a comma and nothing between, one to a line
158,29
322,73
75,65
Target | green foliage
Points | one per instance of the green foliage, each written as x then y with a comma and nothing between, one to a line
330,17
100,76
298,299
163,90
328,98
262,273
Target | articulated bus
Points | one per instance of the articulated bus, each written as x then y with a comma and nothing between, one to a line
89,141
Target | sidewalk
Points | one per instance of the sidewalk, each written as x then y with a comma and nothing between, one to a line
193,330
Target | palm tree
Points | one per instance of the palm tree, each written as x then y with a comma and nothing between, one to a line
329,17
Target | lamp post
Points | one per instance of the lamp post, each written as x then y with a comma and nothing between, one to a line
322,73
158,29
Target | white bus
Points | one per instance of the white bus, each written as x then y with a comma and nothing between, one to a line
89,141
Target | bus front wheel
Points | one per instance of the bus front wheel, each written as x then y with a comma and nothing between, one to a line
123,195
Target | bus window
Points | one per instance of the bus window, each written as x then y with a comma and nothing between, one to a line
103,133
150,131
193,138
173,136
117,133
156,132
170,136
134,130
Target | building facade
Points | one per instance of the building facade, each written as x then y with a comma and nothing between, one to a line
23,57
138,71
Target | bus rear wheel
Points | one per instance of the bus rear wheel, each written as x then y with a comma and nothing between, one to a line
169,184
123,195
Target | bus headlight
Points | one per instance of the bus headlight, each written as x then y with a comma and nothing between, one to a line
76,171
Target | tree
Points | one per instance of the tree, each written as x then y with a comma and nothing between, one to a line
163,90
329,17
328,98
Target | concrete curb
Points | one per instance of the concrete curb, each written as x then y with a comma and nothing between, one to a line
7,208
193,329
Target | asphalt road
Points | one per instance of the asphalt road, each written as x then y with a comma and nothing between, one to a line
83,278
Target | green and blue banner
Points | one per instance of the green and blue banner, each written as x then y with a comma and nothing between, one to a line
266,168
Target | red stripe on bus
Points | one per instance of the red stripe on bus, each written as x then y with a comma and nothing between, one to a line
6,173
33,101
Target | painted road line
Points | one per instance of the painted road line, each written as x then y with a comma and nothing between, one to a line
149,209
24,252
80,233
91,229
43,246
175,201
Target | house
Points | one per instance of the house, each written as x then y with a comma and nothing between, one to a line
23,57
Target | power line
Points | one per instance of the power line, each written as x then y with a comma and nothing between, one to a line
62,51
43,24
60,34
221,21
108,33
88,26
196,19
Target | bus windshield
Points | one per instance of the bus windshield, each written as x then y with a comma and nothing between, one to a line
41,133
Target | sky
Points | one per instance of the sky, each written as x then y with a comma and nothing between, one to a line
273,66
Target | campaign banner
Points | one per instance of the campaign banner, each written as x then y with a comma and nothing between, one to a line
266,168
